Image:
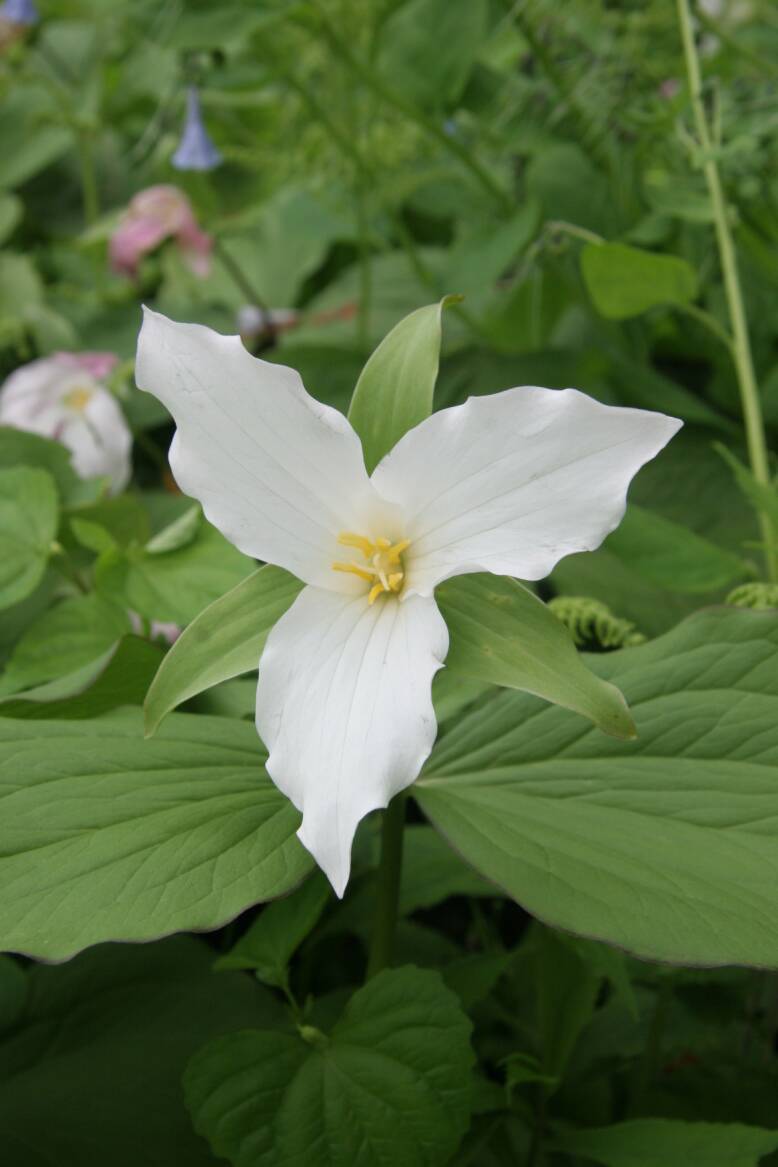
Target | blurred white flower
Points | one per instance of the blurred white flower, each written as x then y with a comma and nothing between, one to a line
61,397
508,483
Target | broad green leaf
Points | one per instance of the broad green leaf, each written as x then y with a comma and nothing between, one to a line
566,992
104,1040
278,931
179,533
175,586
122,520
71,635
122,678
503,634
428,47
472,977
389,1085
11,210
479,257
672,556
30,141
105,836
28,524
664,846
763,498
395,388
660,1142
18,448
222,642
624,281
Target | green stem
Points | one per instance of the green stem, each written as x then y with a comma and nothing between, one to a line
652,1051
388,892
373,81
89,193
741,346
539,1127
238,276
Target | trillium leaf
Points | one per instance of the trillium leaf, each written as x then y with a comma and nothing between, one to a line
28,524
175,586
120,677
106,837
225,640
395,389
624,281
428,48
664,846
501,633
73,634
656,1142
156,1004
391,1083
672,556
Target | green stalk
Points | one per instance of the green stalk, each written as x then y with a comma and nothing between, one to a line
90,197
741,346
388,892
237,275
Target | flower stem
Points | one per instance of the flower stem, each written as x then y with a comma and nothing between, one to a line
89,193
238,276
388,892
741,346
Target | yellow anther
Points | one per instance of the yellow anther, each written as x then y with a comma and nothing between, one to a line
359,541
383,568
365,573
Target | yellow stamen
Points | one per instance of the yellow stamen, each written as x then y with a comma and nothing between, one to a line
359,541
78,398
383,568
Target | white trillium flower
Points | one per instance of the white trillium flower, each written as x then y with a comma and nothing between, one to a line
508,483
61,397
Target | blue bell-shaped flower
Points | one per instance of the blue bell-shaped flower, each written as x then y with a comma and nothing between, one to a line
19,12
195,151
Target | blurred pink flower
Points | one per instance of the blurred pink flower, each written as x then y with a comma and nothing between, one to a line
61,397
157,629
154,215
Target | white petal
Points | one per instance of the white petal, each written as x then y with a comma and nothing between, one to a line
100,440
344,708
278,473
513,482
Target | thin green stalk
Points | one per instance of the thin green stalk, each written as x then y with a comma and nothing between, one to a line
741,346
89,194
388,892
238,276
650,1061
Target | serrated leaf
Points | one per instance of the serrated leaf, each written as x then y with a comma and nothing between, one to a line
28,523
105,836
225,640
503,634
625,281
664,846
391,1083
395,388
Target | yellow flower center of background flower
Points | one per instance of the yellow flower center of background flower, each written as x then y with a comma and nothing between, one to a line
383,566
78,398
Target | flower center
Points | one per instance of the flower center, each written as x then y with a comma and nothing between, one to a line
78,398
383,565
